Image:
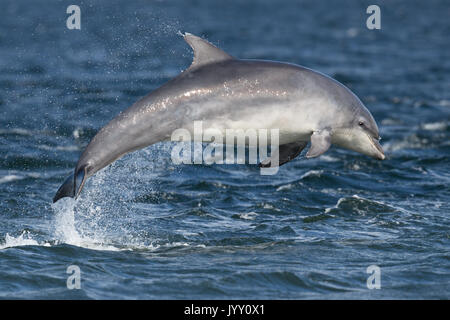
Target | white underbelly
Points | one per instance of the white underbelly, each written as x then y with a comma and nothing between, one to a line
276,126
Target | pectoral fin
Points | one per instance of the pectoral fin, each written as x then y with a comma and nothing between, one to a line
320,142
286,153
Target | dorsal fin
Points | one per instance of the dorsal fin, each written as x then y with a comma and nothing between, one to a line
204,52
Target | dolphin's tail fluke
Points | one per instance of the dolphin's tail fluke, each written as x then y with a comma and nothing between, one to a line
72,186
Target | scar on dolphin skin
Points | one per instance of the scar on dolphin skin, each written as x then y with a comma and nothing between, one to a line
235,93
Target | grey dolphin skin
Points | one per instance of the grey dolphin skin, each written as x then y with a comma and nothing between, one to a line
225,92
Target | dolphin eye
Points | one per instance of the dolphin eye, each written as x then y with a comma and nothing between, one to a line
361,123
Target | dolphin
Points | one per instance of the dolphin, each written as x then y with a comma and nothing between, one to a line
226,92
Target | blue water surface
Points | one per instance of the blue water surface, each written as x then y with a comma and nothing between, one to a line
145,228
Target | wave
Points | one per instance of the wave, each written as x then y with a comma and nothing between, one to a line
362,206
308,174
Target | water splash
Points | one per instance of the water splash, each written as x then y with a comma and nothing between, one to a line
104,216
65,230
25,239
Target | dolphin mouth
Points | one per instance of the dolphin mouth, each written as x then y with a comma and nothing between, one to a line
377,146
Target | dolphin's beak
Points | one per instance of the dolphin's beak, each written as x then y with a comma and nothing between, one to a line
379,153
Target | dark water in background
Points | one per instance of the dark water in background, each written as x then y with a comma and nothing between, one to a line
145,228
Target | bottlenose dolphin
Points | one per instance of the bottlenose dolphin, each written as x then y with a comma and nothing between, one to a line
225,92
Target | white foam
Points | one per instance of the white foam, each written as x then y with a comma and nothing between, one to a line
248,216
352,32
312,173
328,158
411,142
19,131
11,177
76,133
187,233
15,177
285,187
24,239
336,206
269,206
59,148
433,126
444,103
